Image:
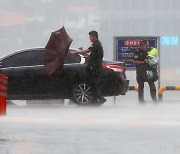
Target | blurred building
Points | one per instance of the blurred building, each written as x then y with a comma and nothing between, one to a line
144,18
141,18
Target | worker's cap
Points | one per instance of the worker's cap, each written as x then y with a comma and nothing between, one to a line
143,42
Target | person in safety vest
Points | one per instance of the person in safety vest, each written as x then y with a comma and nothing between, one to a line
144,71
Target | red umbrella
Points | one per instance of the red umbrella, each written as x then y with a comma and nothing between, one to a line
56,49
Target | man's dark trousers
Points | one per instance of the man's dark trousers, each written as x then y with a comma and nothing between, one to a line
141,91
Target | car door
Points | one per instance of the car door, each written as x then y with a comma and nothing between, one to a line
15,66
38,83
58,84
22,68
29,79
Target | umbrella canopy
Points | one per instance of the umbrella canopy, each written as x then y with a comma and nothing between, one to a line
56,49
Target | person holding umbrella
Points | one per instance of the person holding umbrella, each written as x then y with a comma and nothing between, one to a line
94,63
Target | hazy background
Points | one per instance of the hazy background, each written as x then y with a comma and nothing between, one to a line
28,24
120,128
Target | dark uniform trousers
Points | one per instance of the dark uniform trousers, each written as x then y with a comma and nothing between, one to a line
142,76
141,91
93,77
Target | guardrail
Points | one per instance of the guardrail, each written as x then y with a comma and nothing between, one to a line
160,91
164,88
133,88
3,94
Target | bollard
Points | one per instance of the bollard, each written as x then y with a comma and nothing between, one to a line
3,94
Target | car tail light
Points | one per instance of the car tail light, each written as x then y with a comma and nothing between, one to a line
116,68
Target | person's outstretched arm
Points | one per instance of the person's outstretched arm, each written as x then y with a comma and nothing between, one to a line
80,52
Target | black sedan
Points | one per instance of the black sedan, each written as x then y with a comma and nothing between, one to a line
28,78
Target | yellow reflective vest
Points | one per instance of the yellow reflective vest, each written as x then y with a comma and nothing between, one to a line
153,52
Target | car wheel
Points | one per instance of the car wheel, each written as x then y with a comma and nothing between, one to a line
83,94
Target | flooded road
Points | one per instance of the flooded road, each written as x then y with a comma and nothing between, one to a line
121,128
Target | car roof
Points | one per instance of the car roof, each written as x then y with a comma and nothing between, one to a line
28,50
